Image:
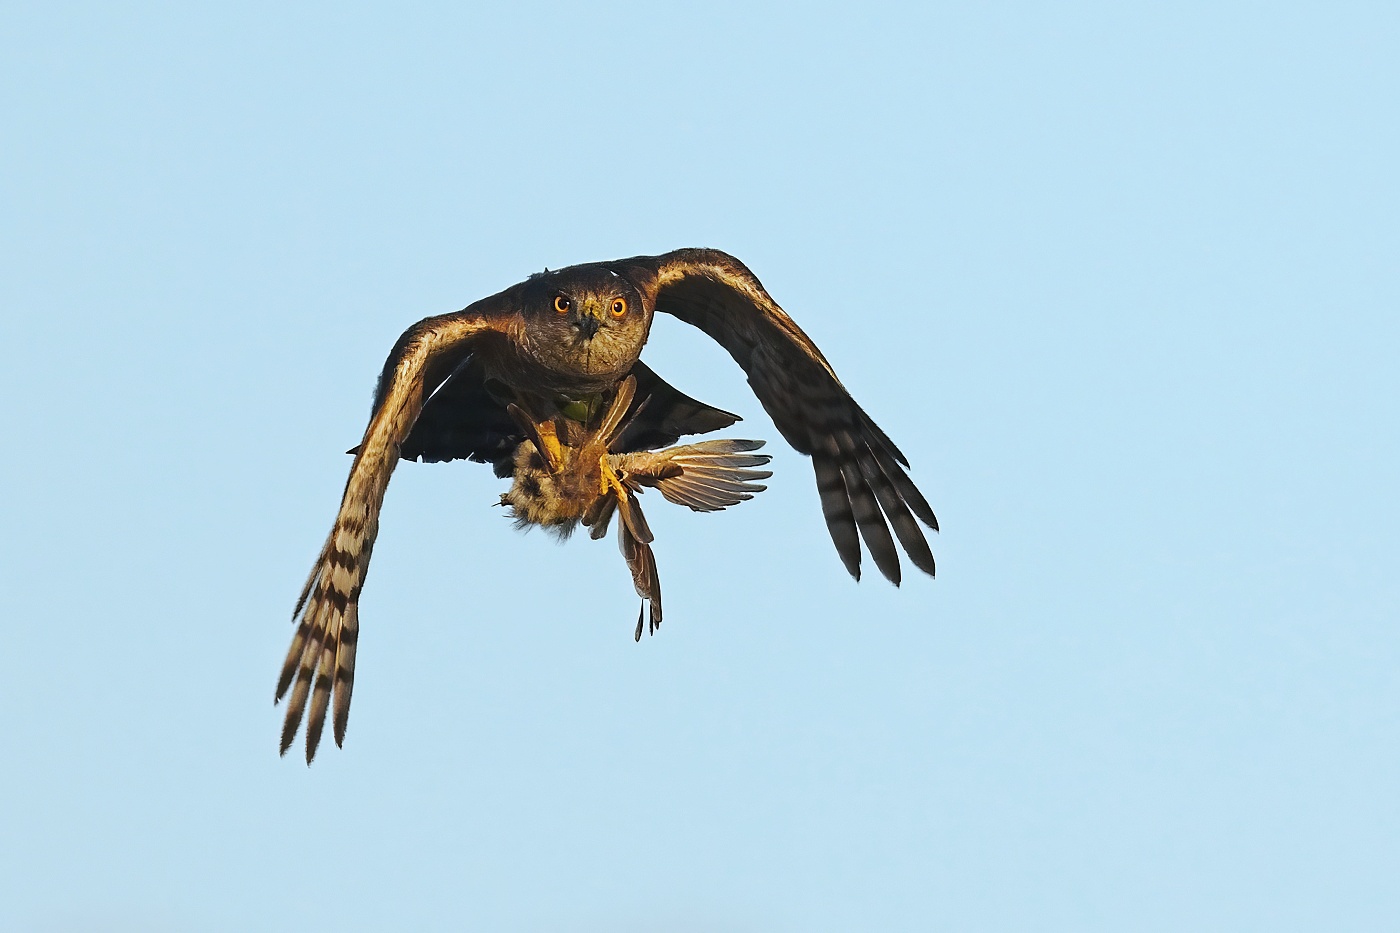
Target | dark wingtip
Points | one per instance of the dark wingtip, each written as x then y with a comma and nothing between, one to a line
849,552
290,725
923,560
850,555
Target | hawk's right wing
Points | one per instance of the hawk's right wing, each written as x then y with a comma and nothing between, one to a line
321,660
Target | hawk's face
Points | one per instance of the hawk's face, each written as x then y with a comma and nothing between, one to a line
585,322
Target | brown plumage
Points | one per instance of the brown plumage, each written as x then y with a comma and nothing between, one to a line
543,381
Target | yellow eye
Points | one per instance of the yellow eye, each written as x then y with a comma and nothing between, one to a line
561,304
619,307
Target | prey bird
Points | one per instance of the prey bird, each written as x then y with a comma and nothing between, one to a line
543,381
567,472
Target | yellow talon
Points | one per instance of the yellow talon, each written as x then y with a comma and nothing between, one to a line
552,452
609,479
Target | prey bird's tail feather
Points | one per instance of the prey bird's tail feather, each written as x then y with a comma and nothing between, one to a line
634,540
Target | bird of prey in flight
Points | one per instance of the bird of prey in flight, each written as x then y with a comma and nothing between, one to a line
544,382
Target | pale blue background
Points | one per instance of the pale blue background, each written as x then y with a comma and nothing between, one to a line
1120,279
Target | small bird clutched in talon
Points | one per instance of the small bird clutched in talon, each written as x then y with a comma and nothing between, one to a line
544,381
585,479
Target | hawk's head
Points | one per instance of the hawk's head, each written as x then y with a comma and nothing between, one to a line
585,321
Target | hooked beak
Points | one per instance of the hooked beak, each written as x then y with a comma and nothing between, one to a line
587,325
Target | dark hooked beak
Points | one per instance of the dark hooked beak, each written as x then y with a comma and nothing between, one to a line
587,326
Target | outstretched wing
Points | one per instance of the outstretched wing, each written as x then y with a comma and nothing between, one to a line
321,660
860,472
706,476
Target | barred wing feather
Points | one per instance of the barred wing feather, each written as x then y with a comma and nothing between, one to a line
320,664
860,473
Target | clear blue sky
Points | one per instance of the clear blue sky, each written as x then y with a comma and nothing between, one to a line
1120,279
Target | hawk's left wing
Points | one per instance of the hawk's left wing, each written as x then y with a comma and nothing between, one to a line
321,660
860,472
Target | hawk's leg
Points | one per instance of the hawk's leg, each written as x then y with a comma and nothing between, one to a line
543,434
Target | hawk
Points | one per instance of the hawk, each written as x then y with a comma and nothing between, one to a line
543,380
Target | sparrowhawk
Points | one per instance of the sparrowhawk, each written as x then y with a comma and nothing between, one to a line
543,380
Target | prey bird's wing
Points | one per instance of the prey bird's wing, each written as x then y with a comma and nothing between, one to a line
706,476
321,660
861,474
